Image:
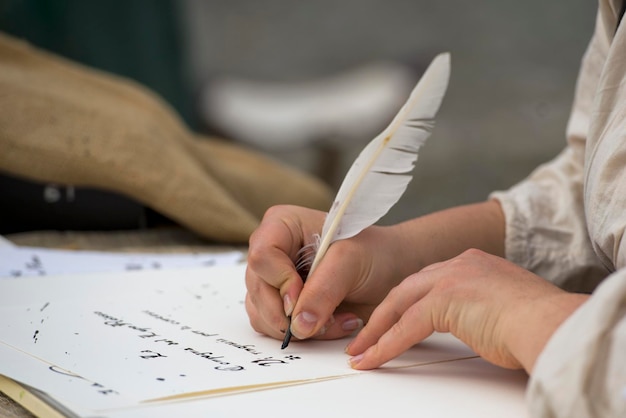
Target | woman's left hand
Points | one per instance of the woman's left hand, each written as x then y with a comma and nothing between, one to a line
504,313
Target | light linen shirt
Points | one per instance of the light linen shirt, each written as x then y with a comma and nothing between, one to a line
566,223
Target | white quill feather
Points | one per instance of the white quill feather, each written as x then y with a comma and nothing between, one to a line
381,173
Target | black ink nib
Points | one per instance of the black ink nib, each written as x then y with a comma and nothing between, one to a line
287,336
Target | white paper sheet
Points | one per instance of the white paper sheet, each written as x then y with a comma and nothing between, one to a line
469,388
5,243
18,261
106,342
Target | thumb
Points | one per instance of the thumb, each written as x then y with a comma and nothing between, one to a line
324,290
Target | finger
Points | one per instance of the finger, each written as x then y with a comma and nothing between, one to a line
261,324
271,278
413,327
334,328
391,310
268,305
274,290
272,251
325,289
434,266
339,326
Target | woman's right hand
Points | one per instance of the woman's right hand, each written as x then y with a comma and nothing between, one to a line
354,277
356,273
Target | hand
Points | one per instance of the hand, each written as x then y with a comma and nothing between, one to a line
354,277
503,312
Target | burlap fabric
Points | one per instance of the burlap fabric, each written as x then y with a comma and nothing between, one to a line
65,123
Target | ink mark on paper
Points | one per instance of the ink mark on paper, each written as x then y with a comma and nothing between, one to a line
148,354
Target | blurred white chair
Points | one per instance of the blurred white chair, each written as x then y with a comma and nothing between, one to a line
326,114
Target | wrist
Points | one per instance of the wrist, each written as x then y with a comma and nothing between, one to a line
442,235
534,323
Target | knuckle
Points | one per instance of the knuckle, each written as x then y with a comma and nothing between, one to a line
252,312
255,257
262,321
275,211
472,253
448,284
397,291
251,279
253,290
400,329
254,238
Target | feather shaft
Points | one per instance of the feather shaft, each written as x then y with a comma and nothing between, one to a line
383,169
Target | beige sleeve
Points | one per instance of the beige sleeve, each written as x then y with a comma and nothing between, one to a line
545,225
581,371
546,229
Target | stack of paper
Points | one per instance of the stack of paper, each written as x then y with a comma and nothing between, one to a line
140,342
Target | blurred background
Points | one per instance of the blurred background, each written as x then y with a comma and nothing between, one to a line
299,71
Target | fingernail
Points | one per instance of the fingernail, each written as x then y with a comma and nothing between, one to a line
321,331
354,361
324,328
287,305
303,324
352,324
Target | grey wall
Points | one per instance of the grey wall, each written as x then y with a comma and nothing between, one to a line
513,72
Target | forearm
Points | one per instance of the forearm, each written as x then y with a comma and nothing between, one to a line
444,234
